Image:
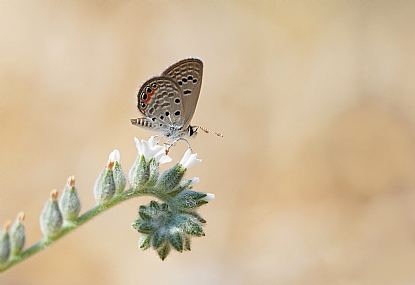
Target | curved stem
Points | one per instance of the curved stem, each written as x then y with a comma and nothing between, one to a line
45,242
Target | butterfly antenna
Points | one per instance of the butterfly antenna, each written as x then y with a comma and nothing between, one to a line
210,131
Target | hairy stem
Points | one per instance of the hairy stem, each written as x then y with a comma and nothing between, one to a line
45,242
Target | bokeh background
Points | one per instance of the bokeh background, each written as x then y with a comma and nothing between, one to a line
314,178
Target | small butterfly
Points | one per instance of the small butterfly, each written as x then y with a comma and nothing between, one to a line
168,101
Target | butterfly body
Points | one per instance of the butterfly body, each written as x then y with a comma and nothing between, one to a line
168,100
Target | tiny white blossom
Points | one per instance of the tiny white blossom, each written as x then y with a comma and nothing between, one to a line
209,197
114,156
194,180
150,150
189,159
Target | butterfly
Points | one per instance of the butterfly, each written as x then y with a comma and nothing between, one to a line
168,101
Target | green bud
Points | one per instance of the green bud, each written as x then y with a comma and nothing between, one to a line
146,228
5,243
69,202
171,178
176,238
104,188
187,242
18,235
158,238
190,199
164,251
145,212
119,178
154,205
153,172
184,185
51,218
192,227
139,172
144,242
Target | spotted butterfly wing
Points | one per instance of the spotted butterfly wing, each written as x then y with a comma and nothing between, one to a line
187,73
160,100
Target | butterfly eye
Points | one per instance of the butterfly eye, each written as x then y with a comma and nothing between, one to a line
180,82
190,77
148,89
194,80
154,85
184,79
144,96
177,100
177,113
143,105
167,114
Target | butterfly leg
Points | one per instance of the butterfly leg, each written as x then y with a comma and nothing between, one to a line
161,137
169,145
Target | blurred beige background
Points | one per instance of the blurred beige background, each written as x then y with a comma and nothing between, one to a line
314,178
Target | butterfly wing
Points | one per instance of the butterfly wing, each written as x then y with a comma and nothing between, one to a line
160,100
187,73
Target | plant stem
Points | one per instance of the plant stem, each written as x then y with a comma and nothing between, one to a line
45,242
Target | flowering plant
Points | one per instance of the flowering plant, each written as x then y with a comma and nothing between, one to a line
167,224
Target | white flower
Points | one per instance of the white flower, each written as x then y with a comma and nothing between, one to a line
189,159
114,156
209,197
194,181
150,150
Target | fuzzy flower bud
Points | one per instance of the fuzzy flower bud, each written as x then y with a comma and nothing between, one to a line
104,188
119,176
5,243
69,202
51,218
190,199
144,242
163,229
171,178
139,172
18,235
146,166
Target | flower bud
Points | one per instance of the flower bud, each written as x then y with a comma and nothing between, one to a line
187,243
171,178
190,199
18,235
153,172
119,178
139,172
158,238
176,238
163,251
69,203
104,188
5,243
118,173
51,218
144,242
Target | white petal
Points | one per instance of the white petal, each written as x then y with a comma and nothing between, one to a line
209,197
189,159
194,180
139,146
152,141
185,156
164,159
114,156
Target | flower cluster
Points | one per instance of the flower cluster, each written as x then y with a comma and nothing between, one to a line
173,222
163,225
